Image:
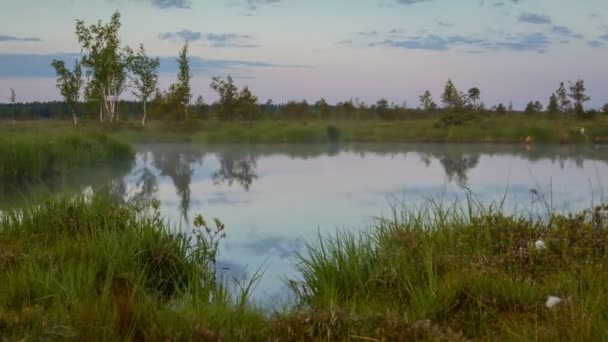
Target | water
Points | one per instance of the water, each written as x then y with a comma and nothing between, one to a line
275,198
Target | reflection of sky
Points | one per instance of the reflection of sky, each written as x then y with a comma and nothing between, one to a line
293,200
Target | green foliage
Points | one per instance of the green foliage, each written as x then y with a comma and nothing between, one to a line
456,118
228,94
426,102
91,269
533,107
294,109
577,93
384,111
565,106
69,84
451,97
473,97
553,106
144,76
323,106
180,92
34,156
246,104
105,64
500,109
233,104
346,109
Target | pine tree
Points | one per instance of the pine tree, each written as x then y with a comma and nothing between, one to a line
426,102
181,90
553,106
451,98
577,93
565,105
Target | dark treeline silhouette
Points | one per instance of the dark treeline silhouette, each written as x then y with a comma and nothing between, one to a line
59,110
292,110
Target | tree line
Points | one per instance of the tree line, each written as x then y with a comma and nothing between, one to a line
107,69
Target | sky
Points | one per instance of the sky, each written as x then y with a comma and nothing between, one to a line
513,50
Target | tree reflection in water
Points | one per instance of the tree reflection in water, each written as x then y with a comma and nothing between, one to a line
236,168
178,165
457,167
146,182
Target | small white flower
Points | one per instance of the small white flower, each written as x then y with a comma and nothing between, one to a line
540,245
583,131
552,301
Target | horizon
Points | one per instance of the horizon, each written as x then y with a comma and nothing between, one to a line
514,50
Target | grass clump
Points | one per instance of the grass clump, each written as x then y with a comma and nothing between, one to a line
26,156
455,273
88,269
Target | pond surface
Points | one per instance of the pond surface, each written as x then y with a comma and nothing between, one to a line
275,198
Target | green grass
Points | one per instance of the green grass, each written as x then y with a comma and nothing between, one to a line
442,274
421,128
87,269
26,156
90,269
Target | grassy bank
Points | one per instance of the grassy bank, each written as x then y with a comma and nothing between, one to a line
87,269
31,155
485,129
451,274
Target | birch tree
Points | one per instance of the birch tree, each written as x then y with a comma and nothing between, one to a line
144,76
69,83
104,62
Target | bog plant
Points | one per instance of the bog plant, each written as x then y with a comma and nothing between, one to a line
27,157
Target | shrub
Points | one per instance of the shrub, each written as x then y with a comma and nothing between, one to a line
456,118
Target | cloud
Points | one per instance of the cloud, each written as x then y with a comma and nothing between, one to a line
229,40
181,35
211,39
445,24
430,42
252,5
345,42
410,2
525,42
534,18
604,37
368,33
7,38
39,65
164,4
538,42
596,44
565,32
